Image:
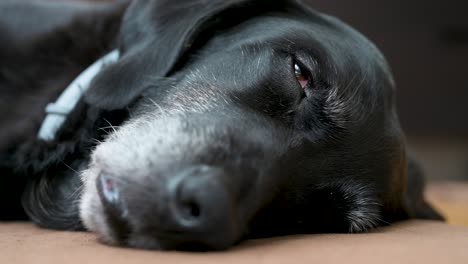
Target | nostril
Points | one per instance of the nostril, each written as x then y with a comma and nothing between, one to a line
194,209
200,209
198,201
190,209
188,206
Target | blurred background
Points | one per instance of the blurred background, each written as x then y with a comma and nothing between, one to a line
426,43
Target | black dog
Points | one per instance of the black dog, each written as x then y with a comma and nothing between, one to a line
221,120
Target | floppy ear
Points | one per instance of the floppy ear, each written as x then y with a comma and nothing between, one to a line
155,38
416,204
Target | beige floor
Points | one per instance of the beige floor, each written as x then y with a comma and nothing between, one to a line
412,242
451,199
409,242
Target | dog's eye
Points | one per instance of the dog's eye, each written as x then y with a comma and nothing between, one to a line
301,75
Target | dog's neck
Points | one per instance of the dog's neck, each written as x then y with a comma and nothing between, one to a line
58,111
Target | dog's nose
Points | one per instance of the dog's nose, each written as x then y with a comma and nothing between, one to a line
198,211
201,207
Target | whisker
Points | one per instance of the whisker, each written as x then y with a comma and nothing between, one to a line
69,167
111,126
107,127
78,191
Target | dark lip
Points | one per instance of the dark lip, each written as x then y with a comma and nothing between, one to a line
168,240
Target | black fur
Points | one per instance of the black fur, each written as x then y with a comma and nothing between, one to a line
34,69
337,152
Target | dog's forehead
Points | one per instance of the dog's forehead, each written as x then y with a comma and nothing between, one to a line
343,55
249,55
325,39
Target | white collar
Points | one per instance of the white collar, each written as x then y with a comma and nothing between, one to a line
58,111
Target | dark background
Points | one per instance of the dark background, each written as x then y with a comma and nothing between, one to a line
426,44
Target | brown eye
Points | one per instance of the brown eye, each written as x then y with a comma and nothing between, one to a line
301,76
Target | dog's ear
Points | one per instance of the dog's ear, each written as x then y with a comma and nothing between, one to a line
417,206
156,37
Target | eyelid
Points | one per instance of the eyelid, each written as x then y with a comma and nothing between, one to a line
313,69
305,62
306,71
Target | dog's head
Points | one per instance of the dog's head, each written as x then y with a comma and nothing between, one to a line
248,119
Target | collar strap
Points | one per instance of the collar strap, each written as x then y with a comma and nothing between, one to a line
57,112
